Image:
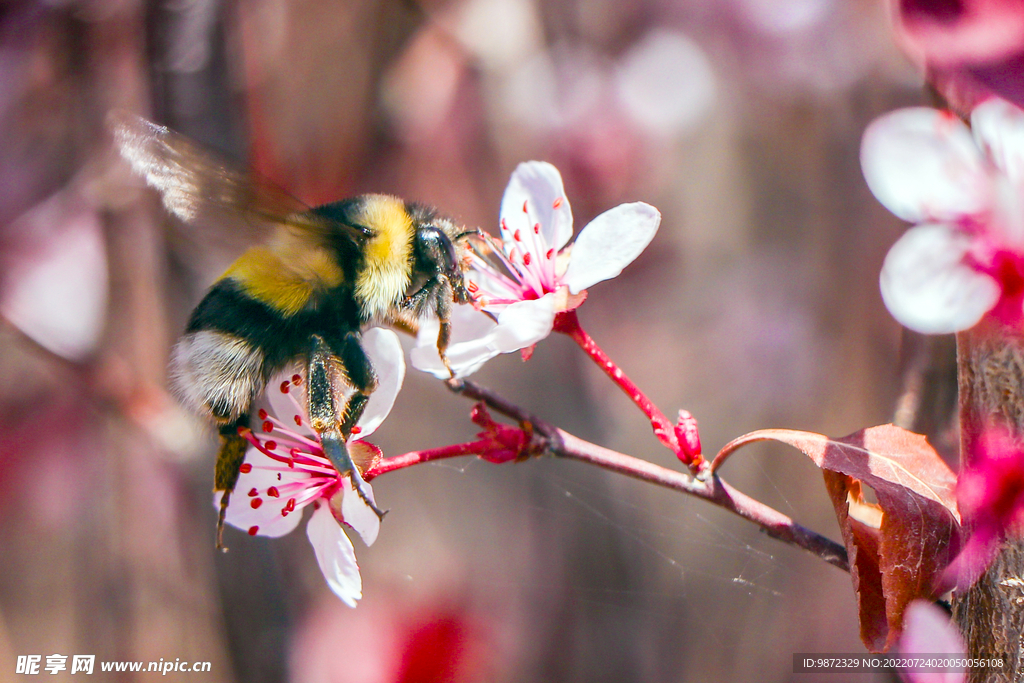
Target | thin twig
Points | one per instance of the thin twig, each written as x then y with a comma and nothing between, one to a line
711,488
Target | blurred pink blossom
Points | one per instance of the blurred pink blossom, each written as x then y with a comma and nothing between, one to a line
964,189
927,630
287,470
969,48
544,276
55,282
990,494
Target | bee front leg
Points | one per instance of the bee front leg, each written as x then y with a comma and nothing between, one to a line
444,330
325,371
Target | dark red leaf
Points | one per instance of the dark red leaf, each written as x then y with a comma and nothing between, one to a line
897,556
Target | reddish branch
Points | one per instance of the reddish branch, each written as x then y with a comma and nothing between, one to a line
540,437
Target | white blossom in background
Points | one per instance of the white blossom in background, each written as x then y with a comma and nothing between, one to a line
53,278
543,276
963,188
290,471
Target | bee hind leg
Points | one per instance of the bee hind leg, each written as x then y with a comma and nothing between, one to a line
229,463
325,371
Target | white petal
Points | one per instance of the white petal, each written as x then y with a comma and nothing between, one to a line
385,353
922,164
524,323
998,127
285,406
471,344
538,185
56,291
927,286
357,514
335,555
267,517
609,243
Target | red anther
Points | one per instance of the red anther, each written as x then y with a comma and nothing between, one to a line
291,505
285,386
526,258
273,492
284,513
279,475
558,203
536,228
268,426
551,252
471,286
263,414
298,420
256,502
253,530
524,206
355,430
270,445
516,236
296,379
504,226
246,468
253,492
316,504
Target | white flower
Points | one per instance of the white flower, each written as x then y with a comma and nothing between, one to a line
543,276
964,190
289,471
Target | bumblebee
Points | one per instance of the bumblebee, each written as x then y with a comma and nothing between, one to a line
305,294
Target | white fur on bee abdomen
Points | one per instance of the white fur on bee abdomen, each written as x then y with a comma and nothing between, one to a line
212,369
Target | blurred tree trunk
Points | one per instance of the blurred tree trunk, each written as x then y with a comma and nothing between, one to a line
990,613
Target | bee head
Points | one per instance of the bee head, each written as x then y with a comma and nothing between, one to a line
437,259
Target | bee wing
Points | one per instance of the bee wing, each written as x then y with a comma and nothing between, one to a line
200,188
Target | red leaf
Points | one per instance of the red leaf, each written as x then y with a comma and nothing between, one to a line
899,558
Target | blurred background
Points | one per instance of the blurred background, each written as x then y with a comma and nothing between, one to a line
756,306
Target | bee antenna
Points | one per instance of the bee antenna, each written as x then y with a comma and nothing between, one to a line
467,233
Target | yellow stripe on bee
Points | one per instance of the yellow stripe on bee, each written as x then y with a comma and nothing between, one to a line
285,278
385,275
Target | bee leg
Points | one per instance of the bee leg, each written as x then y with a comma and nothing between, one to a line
229,463
334,426
444,330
